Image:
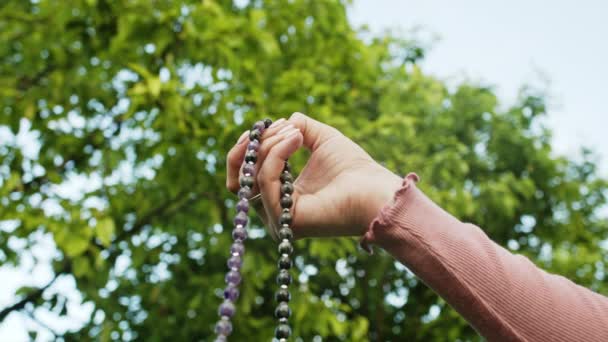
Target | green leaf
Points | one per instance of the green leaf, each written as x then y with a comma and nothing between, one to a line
105,230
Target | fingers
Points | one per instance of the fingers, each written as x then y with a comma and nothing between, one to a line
236,155
234,161
314,132
270,171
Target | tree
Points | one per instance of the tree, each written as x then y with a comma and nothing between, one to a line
140,100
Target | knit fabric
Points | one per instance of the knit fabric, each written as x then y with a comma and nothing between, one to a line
504,296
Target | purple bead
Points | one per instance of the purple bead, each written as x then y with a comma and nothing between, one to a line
223,327
259,125
250,169
226,309
235,262
231,293
237,248
240,218
245,193
239,233
233,277
253,145
243,206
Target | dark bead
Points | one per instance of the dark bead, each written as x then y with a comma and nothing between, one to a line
287,188
285,218
231,293
237,248
282,311
267,122
245,193
235,262
286,167
282,331
253,145
284,262
255,134
259,125
251,156
243,205
223,327
286,202
284,278
227,309
241,218
286,177
246,181
285,234
239,233
282,295
285,247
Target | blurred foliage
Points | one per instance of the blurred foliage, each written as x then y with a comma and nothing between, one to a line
135,103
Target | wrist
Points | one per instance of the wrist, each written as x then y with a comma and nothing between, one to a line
384,186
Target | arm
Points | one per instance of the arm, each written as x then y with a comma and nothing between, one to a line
505,297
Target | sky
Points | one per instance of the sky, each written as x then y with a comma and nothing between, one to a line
558,45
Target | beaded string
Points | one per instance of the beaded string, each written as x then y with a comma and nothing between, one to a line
223,327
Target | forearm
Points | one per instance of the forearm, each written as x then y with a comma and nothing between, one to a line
503,296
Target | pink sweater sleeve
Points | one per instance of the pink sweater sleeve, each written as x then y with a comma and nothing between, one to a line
504,296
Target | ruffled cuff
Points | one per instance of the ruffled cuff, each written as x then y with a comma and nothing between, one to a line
384,219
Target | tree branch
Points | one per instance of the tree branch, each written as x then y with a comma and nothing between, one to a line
29,298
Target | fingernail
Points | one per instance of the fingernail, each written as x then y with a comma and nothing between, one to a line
285,129
242,138
277,122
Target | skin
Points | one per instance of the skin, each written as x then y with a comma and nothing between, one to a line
338,193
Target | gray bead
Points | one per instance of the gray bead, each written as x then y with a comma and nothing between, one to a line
259,125
282,311
286,177
285,234
283,295
251,156
285,262
287,188
285,218
255,134
284,278
267,122
246,181
286,167
286,202
282,331
285,247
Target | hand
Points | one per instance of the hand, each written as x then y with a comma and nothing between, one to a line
338,193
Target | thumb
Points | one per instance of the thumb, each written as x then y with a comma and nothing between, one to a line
315,133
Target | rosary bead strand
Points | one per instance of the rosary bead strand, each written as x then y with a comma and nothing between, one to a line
223,327
283,312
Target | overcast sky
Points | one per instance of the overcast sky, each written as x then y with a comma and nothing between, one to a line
504,43
509,43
